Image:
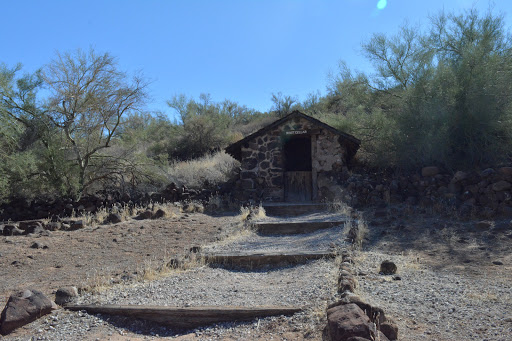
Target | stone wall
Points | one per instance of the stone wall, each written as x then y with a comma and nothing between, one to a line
484,193
261,177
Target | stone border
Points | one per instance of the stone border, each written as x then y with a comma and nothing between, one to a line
350,318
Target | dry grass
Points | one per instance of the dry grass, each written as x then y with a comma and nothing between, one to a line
97,283
356,231
340,207
152,270
205,171
252,213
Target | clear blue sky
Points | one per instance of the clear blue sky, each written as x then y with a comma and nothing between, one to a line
241,50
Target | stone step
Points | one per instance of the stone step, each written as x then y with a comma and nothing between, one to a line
253,260
282,209
271,228
187,317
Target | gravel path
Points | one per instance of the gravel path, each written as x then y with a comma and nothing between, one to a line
311,286
315,241
314,217
304,285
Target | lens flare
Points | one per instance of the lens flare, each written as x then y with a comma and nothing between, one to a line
381,4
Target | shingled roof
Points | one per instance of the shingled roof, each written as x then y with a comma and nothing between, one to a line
351,142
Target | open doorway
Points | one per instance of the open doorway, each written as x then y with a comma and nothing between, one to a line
297,169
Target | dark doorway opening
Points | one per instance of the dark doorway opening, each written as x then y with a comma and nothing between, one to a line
297,154
297,169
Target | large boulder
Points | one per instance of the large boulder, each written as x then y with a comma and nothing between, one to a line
22,308
348,321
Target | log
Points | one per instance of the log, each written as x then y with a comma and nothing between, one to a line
295,227
286,209
255,260
187,317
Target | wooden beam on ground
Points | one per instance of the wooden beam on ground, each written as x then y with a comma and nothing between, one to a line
256,260
293,209
187,317
295,227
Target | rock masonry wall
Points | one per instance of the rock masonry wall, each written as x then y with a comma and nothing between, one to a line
261,177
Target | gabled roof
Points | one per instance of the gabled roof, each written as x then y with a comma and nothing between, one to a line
351,142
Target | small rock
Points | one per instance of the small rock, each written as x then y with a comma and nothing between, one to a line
77,225
507,171
195,249
497,262
159,214
53,226
487,172
459,176
144,215
501,186
12,230
390,329
113,218
66,295
429,171
397,278
35,228
388,268
37,245
483,225
346,283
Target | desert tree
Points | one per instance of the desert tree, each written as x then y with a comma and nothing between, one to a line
88,97
282,105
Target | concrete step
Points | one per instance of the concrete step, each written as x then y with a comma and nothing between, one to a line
271,228
187,317
283,209
255,260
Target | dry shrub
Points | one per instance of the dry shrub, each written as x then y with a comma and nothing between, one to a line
244,213
252,213
204,171
340,207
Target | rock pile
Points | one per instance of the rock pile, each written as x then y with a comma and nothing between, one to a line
23,209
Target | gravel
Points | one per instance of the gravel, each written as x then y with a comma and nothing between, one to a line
439,304
320,240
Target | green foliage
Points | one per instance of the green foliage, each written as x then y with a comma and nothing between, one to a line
283,105
440,97
206,126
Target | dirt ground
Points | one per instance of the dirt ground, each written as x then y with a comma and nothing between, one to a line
105,254
429,244
441,241
453,275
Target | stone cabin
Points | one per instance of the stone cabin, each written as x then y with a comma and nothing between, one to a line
292,159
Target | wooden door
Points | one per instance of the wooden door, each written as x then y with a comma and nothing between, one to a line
297,186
